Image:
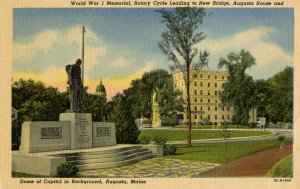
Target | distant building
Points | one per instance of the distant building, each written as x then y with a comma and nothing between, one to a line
206,105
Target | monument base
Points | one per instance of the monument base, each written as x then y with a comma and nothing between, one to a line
44,136
81,129
46,163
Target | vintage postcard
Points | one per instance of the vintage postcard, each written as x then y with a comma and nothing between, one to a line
149,94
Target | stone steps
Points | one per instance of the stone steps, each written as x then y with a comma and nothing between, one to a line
109,158
104,155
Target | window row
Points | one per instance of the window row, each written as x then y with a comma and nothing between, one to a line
200,84
209,117
208,108
199,75
201,92
203,76
201,100
196,84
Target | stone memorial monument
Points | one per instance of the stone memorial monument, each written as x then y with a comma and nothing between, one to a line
75,138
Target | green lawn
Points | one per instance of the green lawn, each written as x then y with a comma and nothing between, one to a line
178,135
283,168
216,153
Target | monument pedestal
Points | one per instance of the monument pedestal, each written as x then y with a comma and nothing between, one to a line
81,129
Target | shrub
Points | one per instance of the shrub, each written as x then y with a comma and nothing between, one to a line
169,120
170,149
66,170
281,138
160,140
205,121
147,121
144,140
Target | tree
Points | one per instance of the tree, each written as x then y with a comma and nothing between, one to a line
126,130
170,103
179,42
138,95
239,88
35,102
263,92
281,100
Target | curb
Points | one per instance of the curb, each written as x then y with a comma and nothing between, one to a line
222,139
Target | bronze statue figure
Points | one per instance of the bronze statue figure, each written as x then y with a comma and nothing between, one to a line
75,86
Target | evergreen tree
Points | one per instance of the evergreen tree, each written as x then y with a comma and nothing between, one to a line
126,130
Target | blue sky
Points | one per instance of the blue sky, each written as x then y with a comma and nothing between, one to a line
121,44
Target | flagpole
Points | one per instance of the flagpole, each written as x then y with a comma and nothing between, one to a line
82,78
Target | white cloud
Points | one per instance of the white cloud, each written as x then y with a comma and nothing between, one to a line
50,41
266,53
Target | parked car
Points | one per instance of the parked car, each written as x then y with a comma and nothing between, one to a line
149,126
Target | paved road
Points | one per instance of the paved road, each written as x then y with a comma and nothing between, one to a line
276,132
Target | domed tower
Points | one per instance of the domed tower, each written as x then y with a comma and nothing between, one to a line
100,89
101,92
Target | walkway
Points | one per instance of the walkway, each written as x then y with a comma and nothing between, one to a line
154,168
257,164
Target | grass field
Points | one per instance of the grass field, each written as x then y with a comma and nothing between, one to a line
216,153
284,168
179,135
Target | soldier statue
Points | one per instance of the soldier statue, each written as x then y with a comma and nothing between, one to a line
75,86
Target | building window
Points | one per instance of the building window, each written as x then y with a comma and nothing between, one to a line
195,75
195,116
201,100
201,92
208,100
208,108
200,116
208,93
216,116
195,108
223,85
216,108
223,76
208,117
200,75
208,76
223,108
216,101
201,84
216,76
187,116
195,99
195,83
216,84
216,93
228,117
208,84
201,108
195,92
228,108
223,117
